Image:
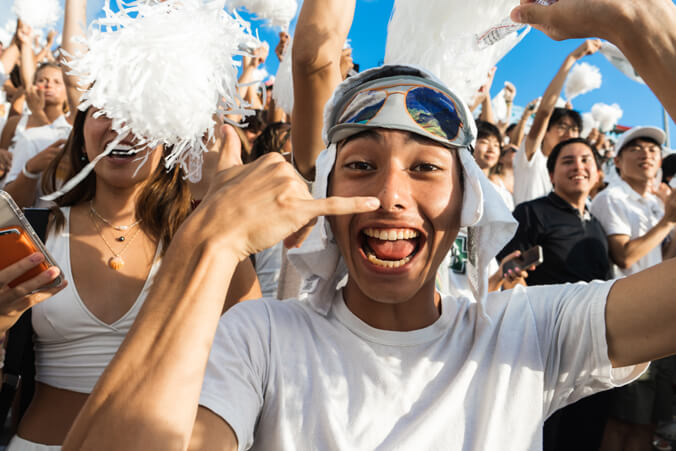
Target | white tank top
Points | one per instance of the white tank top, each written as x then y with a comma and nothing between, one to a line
72,346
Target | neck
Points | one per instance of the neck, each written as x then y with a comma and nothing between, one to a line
117,205
486,171
53,112
422,310
641,186
577,200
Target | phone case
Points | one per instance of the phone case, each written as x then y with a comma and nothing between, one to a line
18,240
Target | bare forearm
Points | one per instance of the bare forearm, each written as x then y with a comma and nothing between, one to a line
640,316
519,131
320,35
487,110
632,251
145,401
650,46
9,58
75,19
546,108
23,190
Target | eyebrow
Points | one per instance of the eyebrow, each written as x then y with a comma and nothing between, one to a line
366,134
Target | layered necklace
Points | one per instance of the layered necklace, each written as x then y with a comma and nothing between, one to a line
115,262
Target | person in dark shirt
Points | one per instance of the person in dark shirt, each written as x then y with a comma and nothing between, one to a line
575,248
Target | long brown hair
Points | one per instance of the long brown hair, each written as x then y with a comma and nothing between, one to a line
162,206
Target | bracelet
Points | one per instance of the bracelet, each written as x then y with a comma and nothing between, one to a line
29,175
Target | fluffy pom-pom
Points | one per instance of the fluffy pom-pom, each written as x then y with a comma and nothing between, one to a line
606,116
282,92
588,123
278,13
37,13
583,78
442,38
161,71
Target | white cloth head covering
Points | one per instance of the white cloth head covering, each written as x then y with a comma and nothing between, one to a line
490,223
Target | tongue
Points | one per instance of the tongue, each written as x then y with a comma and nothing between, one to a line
391,250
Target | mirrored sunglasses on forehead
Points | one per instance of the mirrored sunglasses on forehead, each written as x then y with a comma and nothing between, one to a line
431,109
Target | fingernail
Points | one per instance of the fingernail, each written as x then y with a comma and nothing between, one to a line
36,258
373,203
516,15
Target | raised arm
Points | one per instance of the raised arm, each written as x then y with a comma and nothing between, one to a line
10,56
644,31
74,23
537,131
517,134
321,32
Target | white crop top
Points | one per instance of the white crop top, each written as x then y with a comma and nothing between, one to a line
72,346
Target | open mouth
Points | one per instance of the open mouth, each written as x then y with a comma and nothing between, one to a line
123,151
390,247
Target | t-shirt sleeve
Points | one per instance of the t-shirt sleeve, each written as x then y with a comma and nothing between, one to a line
531,178
571,325
237,370
611,213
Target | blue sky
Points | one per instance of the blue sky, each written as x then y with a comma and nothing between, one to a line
530,66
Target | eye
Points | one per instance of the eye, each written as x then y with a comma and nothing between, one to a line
359,166
425,167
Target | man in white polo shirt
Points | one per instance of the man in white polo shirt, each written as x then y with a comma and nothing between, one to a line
636,221
638,225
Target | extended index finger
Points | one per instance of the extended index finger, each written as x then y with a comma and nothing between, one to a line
336,206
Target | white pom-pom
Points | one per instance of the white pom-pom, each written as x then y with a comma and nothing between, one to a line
278,13
583,78
282,91
37,13
588,123
441,36
161,72
606,116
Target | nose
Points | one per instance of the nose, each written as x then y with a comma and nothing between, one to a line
394,191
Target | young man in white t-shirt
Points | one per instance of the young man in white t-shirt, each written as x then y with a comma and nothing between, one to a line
383,362
551,126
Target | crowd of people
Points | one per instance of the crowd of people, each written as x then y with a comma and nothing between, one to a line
416,324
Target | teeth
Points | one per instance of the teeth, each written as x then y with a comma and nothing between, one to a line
388,263
391,234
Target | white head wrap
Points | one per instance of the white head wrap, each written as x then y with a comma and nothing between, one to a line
490,222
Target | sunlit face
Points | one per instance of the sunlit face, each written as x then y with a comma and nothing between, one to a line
393,253
487,152
118,168
563,130
575,172
639,160
50,81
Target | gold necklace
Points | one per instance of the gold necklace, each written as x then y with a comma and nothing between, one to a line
115,262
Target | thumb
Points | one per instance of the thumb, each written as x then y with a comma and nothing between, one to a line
529,13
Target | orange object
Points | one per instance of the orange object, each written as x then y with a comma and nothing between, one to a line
15,244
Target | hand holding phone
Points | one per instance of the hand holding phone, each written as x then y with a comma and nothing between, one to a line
528,259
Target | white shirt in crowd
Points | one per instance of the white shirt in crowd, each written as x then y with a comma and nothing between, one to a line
32,142
531,178
286,377
623,211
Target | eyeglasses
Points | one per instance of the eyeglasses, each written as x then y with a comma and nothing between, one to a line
431,109
563,128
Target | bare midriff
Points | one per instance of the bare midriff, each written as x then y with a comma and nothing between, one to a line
50,414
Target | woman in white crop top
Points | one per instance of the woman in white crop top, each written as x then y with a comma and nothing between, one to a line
107,236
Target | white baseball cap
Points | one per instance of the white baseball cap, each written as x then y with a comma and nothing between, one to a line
653,133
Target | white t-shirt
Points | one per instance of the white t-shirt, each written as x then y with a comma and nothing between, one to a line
287,378
30,143
623,211
268,268
531,178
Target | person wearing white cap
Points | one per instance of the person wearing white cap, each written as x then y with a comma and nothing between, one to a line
638,224
370,357
636,221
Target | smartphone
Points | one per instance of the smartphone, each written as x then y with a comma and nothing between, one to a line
529,258
18,239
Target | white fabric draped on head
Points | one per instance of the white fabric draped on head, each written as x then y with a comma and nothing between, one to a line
490,223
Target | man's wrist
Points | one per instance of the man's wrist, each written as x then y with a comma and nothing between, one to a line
197,233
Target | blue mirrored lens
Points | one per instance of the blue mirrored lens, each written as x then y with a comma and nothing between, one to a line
366,114
434,112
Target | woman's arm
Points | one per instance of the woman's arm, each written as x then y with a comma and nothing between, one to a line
320,35
74,21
